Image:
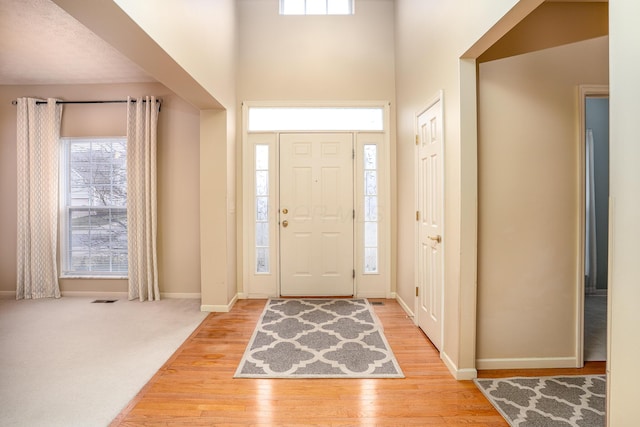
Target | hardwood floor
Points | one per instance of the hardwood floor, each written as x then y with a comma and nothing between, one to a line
196,386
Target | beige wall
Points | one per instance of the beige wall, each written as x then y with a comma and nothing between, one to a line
178,177
316,58
624,268
528,212
200,35
189,46
431,37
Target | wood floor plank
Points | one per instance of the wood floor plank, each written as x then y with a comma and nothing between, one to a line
196,386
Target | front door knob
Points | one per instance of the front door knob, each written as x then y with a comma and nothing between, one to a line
285,223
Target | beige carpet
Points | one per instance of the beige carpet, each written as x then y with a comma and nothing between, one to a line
69,362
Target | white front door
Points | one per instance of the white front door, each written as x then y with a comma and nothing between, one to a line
430,217
316,214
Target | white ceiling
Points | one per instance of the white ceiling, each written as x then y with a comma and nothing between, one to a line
41,44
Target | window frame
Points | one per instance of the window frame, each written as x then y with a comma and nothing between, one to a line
66,210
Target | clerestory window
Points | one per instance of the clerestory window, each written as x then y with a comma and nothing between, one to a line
316,7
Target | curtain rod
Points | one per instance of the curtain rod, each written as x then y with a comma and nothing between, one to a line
117,101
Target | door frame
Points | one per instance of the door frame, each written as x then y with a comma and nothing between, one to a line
439,97
583,92
267,285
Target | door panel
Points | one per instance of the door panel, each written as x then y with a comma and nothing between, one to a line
316,214
430,214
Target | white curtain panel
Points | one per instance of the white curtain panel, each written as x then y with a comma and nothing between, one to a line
590,252
142,123
38,133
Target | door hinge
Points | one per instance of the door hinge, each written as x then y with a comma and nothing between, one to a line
354,214
417,291
354,273
353,153
417,215
417,139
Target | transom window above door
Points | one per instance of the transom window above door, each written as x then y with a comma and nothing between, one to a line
316,7
267,119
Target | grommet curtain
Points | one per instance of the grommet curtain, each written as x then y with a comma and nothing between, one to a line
142,216
38,132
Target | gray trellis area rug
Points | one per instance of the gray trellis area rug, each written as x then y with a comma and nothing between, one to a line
318,338
565,401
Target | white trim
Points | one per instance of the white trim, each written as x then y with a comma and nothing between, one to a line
180,295
220,308
309,104
583,92
120,295
95,294
373,285
527,363
261,286
405,307
92,277
458,374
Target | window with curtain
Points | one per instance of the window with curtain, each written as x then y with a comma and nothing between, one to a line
94,207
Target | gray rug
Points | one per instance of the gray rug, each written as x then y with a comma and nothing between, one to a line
548,401
318,338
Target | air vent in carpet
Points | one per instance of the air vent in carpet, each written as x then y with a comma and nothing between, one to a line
104,301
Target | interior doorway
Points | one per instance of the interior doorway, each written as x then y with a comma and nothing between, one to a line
595,144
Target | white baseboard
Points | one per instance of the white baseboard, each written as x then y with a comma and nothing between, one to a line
372,295
180,295
458,374
220,308
95,294
405,307
527,363
257,296
106,295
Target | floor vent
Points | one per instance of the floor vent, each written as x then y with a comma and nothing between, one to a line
104,301
376,302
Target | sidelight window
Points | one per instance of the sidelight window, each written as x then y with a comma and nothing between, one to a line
370,208
262,208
